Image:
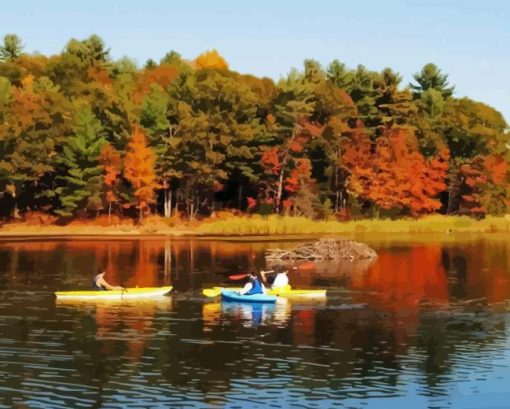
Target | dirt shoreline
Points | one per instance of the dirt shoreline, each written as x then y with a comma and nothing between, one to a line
105,234
112,233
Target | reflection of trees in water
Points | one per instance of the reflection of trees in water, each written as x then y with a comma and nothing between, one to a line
89,344
186,263
112,338
456,345
403,276
31,265
72,264
321,344
401,281
479,270
399,325
342,267
182,345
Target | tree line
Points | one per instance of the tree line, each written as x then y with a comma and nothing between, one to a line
83,134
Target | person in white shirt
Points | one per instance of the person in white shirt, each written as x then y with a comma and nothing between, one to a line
280,278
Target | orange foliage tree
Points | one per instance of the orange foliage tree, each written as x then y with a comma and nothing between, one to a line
403,178
110,159
139,169
395,175
299,187
211,59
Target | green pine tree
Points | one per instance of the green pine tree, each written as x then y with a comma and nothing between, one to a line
12,48
432,77
82,181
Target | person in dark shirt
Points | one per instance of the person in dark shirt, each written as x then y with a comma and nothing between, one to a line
253,286
101,284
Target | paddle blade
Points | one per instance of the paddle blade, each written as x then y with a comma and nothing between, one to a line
237,276
210,292
306,266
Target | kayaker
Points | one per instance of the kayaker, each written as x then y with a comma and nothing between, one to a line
101,284
253,286
280,278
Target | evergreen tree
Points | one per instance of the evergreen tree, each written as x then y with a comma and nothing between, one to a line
340,75
32,128
11,49
432,77
81,183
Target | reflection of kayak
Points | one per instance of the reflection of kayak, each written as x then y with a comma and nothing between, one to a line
227,295
252,314
128,294
138,305
282,292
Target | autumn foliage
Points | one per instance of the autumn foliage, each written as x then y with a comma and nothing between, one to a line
211,59
395,174
484,178
139,169
83,135
111,161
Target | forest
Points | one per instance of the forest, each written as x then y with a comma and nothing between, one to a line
84,135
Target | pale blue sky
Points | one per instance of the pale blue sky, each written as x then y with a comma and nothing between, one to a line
469,40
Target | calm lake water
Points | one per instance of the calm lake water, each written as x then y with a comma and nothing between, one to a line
426,325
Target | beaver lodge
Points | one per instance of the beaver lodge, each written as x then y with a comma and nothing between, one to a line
323,250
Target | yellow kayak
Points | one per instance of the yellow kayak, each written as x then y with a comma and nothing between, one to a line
286,291
127,294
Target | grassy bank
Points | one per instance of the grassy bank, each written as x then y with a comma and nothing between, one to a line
269,226
272,225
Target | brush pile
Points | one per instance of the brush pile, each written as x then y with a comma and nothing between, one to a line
324,250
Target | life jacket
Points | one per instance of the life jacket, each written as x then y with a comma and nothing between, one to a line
256,287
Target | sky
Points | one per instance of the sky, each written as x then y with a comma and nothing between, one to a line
469,40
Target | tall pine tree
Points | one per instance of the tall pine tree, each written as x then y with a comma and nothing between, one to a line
81,184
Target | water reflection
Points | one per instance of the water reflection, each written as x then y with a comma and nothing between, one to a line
249,315
402,278
414,328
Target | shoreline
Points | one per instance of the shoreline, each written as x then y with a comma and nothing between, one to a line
258,228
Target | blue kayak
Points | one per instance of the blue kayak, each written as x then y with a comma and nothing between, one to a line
234,296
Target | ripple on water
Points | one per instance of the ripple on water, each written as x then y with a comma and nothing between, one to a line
350,351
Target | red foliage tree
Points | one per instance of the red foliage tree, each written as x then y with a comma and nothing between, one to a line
395,175
283,160
357,159
485,180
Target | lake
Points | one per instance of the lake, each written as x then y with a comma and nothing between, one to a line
425,325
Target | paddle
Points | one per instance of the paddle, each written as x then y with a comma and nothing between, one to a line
237,276
211,292
241,276
214,292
